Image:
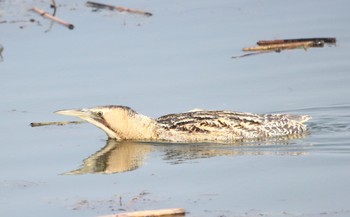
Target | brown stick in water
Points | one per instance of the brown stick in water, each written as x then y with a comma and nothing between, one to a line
151,213
49,16
279,47
283,41
40,124
118,8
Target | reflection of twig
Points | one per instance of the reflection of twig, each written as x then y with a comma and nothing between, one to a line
251,54
53,5
1,50
154,213
118,8
40,124
49,16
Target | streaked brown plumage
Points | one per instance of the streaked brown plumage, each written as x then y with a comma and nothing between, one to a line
123,123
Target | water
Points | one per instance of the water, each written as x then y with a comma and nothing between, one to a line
174,61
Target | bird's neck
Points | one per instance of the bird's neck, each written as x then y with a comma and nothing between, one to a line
142,128
135,127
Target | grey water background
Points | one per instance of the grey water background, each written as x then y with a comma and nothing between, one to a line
174,61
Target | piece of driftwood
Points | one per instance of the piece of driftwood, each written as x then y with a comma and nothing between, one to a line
49,16
151,213
279,47
118,8
267,46
40,124
284,41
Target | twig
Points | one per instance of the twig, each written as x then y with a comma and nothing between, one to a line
151,213
49,16
279,47
40,124
54,6
283,41
118,8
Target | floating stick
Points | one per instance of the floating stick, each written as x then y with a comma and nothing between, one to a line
40,124
151,213
49,16
118,8
279,47
266,46
283,41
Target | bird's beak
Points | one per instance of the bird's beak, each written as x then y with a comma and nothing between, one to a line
79,113
89,116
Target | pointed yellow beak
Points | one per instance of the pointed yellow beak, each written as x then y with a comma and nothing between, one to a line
90,117
79,113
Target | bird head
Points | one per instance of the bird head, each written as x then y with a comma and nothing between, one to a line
118,122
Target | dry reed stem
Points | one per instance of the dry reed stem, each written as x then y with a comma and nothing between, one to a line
60,123
49,16
151,213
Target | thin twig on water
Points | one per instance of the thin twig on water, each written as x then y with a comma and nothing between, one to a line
118,8
154,213
49,16
60,123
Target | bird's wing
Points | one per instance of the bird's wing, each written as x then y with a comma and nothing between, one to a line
239,123
209,121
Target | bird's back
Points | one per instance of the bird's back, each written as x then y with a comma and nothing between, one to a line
228,126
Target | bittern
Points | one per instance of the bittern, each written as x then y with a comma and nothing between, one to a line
123,123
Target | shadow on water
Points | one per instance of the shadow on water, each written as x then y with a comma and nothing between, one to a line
118,157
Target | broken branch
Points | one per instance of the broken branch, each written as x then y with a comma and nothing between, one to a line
60,123
279,47
49,16
283,41
118,8
151,213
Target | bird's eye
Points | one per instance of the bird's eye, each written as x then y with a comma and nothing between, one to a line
99,114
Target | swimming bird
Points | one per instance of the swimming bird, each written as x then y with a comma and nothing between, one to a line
123,123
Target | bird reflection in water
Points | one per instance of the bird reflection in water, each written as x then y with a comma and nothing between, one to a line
118,157
114,157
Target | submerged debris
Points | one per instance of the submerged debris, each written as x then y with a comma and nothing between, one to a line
118,8
265,46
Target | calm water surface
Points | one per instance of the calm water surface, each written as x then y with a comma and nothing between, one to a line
174,61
